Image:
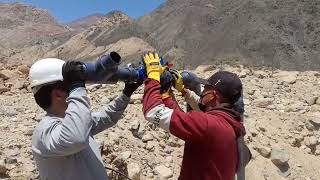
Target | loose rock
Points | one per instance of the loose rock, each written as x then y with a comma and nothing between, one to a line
135,125
310,126
147,137
287,77
263,103
311,100
310,141
260,74
23,69
317,151
114,137
163,171
120,162
264,151
205,68
278,156
169,159
137,129
10,160
135,98
150,145
8,111
3,168
134,171
6,74
315,120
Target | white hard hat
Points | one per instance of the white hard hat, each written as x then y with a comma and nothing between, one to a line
45,71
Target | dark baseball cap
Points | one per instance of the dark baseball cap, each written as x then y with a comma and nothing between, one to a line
228,84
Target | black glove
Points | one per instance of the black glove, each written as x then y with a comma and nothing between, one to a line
130,88
74,75
167,80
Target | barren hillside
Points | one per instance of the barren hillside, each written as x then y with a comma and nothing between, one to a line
27,33
283,34
84,23
114,32
21,24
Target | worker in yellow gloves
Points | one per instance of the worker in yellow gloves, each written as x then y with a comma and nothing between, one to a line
210,136
193,99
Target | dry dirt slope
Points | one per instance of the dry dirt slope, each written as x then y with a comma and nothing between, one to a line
83,23
27,33
276,33
282,121
20,24
98,39
251,32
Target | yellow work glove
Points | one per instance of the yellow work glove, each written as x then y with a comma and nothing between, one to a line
153,66
178,85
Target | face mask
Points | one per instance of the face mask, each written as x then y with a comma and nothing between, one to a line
202,107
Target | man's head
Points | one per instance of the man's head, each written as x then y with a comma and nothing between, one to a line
221,87
47,85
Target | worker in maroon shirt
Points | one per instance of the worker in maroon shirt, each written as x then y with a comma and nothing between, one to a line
210,136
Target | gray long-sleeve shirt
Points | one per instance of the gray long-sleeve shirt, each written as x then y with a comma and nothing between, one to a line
64,148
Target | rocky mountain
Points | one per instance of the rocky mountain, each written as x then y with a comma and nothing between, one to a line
114,32
282,34
21,24
27,33
84,23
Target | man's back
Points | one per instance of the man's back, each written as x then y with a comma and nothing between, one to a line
83,165
216,154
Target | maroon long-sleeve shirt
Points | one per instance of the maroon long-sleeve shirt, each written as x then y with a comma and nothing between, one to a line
210,151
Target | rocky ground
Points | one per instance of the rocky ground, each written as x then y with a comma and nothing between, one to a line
282,120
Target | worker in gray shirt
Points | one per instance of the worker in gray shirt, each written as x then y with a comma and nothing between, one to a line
62,144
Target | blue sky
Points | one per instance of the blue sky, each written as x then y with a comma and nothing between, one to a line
68,10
